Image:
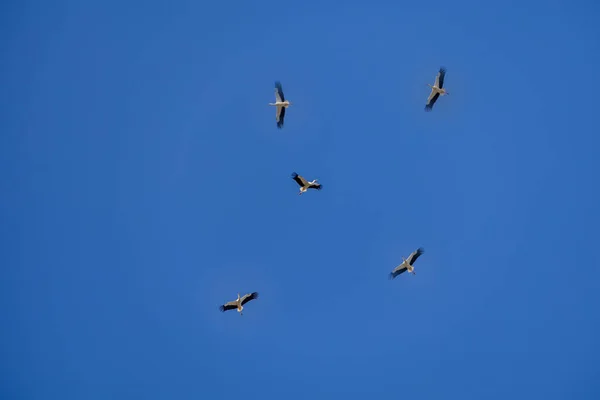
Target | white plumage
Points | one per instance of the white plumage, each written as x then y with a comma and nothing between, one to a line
239,303
407,264
437,89
281,104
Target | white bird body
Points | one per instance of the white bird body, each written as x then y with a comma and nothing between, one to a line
405,264
280,103
437,89
240,307
305,188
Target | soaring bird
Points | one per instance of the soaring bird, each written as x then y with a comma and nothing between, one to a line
280,103
407,265
304,184
436,90
239,303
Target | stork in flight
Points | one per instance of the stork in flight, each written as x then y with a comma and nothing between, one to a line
304,184
239,303
280,103
436,90
407,265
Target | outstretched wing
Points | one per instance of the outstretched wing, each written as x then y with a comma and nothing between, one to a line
397,271
299,180
414,255
431,100
232,305
439,79
317,186
248,297
279,92
279,117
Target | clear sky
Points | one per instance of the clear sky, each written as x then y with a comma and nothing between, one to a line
144,183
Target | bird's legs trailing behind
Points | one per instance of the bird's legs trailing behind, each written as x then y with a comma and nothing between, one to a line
284,104
409,267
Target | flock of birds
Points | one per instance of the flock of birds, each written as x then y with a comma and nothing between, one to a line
281,104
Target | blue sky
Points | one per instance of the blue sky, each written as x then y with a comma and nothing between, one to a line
145,183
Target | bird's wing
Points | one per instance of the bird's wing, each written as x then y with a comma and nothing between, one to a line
279,92
232,305
280,116
397,271
414,255
431,100
299,180
317,186
248,297
439,79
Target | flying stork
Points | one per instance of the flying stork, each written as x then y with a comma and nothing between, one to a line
407,265
304,184
280,103
437,89
239,303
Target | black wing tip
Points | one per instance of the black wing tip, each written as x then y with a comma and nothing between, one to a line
391,276
420,250
222,308
428,107
279,88
294,175
442,70
254,295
